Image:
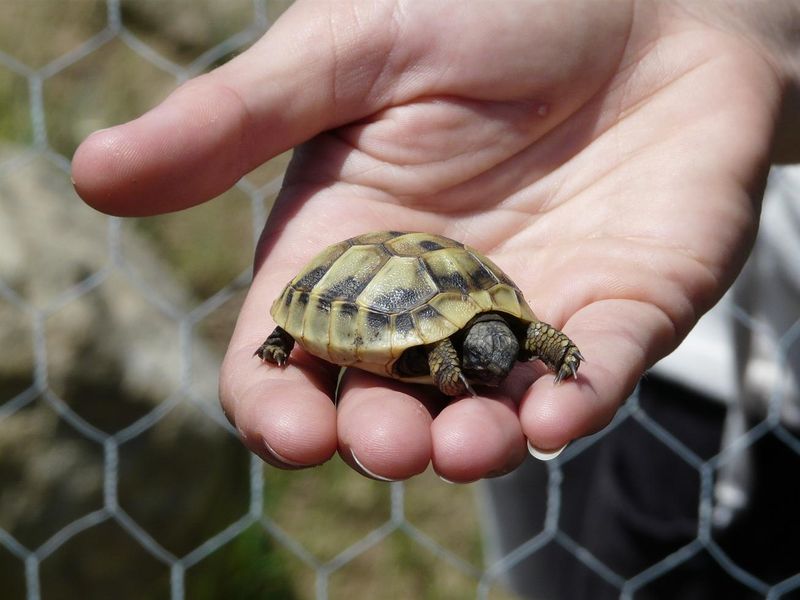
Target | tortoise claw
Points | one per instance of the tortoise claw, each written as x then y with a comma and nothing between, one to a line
467,385
271,354
279,356
569,365
276,347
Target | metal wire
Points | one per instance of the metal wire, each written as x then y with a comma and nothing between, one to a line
485,578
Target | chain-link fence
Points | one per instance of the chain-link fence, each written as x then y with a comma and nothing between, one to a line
119,476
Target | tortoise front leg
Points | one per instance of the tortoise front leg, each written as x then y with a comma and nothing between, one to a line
554,349
446,370
276,347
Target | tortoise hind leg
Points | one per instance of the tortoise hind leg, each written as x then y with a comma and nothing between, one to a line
276,347
554,349
446,371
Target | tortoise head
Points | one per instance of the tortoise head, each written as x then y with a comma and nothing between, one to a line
489,351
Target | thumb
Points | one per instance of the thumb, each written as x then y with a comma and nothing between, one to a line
297,81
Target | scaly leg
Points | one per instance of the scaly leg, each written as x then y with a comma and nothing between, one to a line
446,371
554,349
276,347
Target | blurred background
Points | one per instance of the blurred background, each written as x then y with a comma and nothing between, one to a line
119,475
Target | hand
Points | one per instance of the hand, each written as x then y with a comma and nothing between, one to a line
610,160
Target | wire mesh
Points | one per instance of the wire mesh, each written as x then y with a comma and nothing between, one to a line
111,448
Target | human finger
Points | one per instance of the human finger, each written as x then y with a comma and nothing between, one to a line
217,127
619,339
284,414
477,437
385,425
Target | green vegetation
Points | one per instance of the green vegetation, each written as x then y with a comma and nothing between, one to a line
324,510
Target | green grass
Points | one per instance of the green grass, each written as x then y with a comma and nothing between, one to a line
326,509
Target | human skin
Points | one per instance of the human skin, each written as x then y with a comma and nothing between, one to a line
610,156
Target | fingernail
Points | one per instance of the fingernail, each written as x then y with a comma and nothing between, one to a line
498,473
281,458
544,455
451,482
368,472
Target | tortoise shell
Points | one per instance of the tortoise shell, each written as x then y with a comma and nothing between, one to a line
369,300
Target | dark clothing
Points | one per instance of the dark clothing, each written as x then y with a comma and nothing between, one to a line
630,500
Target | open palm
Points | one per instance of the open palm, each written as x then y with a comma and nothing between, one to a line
608,156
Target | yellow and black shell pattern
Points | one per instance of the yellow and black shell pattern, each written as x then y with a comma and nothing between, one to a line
366,300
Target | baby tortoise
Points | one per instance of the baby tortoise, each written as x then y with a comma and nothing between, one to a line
417,307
